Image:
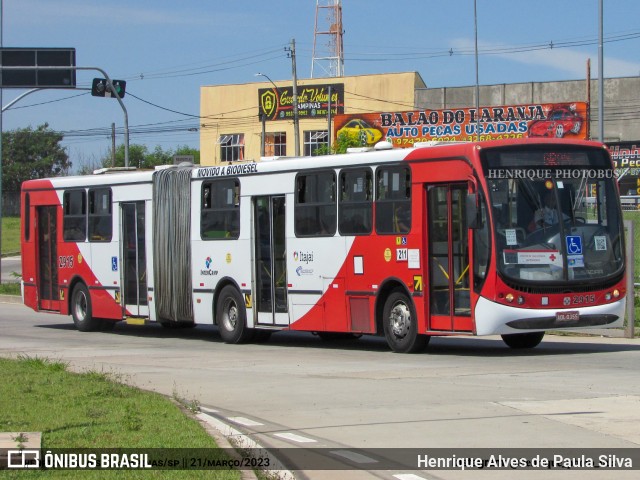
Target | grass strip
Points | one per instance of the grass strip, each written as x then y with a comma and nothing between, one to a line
95,410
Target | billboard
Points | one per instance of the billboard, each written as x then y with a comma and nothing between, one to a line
277,103
403,129
626,161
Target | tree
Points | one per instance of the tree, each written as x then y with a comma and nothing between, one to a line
140,157
29,153
345,140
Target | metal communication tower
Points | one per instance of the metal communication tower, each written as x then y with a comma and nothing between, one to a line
329,57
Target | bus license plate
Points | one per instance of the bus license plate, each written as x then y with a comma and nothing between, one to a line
572,316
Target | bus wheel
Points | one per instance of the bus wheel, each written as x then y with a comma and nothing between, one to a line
400,325
231,316
81,310
523,340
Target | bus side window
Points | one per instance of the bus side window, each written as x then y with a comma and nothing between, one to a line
356,202
315,206
393,200
220,209
27,216
74,206
100,217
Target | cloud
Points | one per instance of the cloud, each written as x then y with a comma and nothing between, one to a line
121,13
566,60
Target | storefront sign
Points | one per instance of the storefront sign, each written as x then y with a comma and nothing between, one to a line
277,103
403,129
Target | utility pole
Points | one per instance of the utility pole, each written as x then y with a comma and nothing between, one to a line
1,163
329,120
113,145
296,123
600,75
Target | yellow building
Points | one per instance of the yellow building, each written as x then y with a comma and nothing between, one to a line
254,120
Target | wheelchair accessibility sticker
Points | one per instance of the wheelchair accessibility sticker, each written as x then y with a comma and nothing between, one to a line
574,245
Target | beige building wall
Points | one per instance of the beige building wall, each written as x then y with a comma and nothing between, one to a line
233,109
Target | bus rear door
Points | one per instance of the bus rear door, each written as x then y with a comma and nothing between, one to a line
134,258
47,258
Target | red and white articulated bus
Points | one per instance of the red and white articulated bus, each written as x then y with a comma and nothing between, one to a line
510,237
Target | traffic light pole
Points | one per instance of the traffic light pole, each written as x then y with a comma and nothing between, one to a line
111,88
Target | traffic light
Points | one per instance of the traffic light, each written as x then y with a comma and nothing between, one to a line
99,88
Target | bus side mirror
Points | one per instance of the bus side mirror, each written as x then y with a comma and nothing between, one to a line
473,211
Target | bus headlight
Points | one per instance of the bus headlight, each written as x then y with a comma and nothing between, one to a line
616,293
509,297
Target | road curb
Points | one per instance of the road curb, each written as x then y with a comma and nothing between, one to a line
10,299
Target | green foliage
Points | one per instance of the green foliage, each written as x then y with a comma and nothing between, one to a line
345,140
10,235
29,153
141,157
93,410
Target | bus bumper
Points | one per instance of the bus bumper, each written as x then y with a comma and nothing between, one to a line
498,319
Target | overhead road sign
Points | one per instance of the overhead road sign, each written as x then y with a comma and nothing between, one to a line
33,77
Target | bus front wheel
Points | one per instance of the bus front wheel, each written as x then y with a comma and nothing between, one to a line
400,324
523,340
231,316
81,310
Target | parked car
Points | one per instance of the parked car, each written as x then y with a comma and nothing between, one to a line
559,122
368,135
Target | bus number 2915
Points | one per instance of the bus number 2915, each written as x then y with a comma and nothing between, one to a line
65,261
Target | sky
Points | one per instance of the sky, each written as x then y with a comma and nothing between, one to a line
166,50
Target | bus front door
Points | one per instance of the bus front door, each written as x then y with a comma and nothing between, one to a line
449,300
47,225
270,272
133,259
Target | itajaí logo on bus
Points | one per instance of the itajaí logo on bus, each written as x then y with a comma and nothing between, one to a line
303,257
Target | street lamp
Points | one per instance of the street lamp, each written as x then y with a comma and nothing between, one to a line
267,77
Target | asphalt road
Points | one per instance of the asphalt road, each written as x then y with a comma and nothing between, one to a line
9,266
299,391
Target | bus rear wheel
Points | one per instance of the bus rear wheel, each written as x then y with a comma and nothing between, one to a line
400,324
231,316
81,310
523,340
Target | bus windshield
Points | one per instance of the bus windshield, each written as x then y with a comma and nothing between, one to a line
556,215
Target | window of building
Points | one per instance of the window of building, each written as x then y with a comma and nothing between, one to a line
74,205
275,144
100,217
231,147
315,206
220,209
393,200
314,139
355,210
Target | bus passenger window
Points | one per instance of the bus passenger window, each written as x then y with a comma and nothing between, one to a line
356,202
220,210
393,200
100,218
315,207
74,206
